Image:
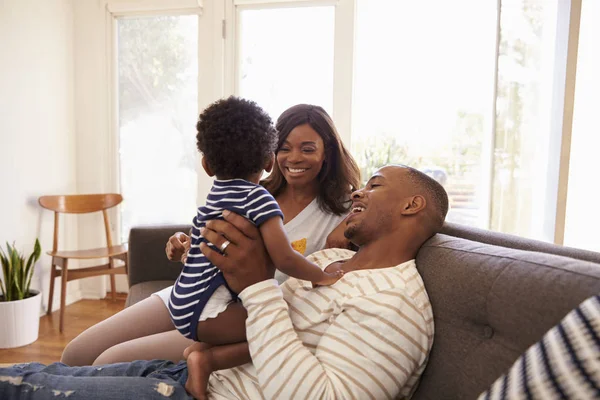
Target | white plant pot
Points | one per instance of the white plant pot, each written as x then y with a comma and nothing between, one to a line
20,321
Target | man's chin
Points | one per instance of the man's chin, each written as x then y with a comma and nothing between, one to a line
350,232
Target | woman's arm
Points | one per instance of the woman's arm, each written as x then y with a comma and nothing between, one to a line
337,239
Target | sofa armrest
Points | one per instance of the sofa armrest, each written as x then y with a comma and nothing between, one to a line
147,259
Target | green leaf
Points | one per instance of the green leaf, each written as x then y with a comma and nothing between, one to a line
4,261
37,250
17,273
22,278
16,269
10,285
2,288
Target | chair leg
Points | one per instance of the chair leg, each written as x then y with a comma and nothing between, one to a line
113,285
63,294
51,293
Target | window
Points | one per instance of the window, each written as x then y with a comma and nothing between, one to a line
468,91
526,62
465,95
583,214
423,93
158,107
283,62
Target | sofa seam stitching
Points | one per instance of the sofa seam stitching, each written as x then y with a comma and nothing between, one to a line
524,261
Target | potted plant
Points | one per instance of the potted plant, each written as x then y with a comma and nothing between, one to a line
19,306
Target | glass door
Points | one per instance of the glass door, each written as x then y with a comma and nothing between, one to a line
157,69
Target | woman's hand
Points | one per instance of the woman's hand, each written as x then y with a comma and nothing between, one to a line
178,247
245,260
336,238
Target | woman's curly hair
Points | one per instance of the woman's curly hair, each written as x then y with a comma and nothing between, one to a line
236,138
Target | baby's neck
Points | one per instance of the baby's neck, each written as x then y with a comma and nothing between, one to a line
254,178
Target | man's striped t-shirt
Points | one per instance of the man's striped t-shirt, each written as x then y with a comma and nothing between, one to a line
199,278
367,336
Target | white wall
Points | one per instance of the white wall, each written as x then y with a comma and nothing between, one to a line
37,135
95,162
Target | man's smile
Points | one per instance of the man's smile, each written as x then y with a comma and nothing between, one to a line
357,208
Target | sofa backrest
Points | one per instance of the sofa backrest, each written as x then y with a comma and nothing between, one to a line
490,303
147,258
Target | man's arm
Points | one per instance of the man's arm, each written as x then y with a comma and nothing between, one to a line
369,352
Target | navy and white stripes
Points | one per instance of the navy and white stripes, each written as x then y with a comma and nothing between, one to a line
564,364
199,278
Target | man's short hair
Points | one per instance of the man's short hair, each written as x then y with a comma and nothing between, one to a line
435,194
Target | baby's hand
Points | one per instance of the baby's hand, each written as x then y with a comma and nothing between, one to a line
330,278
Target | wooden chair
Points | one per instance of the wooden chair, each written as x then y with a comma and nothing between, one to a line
117,255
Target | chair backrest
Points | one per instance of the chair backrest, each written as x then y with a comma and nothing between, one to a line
81,204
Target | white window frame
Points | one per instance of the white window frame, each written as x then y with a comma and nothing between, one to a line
343,63
567,44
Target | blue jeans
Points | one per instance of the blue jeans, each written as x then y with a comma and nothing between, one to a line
154,379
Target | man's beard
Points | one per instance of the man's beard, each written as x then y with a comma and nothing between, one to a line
351,232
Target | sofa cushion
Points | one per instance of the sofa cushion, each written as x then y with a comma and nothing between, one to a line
147,258
490,303
142,290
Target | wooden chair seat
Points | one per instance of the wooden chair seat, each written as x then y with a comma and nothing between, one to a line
102,252
116,255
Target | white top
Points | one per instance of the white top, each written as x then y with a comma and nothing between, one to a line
367,336
309,229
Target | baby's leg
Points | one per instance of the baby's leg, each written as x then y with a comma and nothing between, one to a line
216,351
204,362
226,328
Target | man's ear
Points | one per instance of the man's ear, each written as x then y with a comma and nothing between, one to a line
207,168
413,205
270,163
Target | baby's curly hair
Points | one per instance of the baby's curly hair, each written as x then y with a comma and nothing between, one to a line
236,138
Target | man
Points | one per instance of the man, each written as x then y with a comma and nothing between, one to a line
367,336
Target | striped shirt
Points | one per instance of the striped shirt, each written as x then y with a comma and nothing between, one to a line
368,336
564,364
200,278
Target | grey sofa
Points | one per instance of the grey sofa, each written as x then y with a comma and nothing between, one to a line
493,295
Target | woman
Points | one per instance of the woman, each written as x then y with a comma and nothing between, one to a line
311,180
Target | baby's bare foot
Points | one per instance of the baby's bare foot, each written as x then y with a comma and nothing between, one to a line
199,365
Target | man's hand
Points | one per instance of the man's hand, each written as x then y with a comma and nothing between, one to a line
246,260
178,247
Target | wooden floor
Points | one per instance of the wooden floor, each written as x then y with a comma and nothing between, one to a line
78,317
